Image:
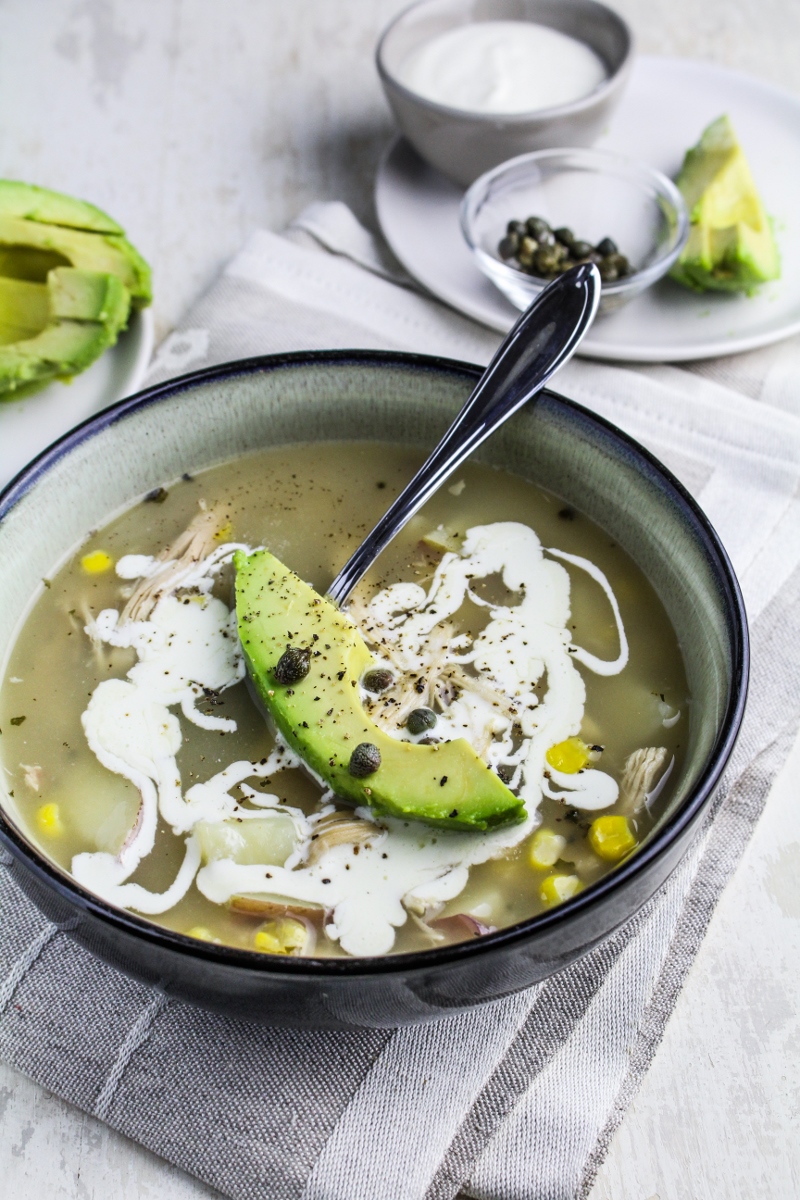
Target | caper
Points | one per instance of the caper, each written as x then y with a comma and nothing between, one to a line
620,262
581,249
537,227
545,262
365,760
544,252
526,252
378,680
420,719
509,246
293,665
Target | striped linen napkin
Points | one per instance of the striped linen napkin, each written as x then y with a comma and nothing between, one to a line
519,1098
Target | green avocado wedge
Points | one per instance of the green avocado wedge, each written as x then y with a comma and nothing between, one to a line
731,245
322,718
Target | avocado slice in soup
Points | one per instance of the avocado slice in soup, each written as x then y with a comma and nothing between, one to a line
306,659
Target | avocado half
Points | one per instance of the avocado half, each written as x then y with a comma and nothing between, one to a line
731,245
68,280
322,718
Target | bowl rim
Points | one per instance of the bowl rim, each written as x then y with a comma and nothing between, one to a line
607,162
538,115
160,938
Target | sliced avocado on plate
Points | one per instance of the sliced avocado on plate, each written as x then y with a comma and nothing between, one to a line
68,280
71,319
320,714
731,245
32,203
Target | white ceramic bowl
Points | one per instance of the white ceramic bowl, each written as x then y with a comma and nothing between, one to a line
464,144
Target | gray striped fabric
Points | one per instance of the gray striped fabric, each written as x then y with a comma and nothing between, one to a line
520,1098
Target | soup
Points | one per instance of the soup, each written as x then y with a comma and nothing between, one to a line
141,763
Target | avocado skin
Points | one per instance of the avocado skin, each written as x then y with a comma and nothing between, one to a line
731,245
33,203
322,717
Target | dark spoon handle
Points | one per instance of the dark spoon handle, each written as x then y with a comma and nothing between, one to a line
543,339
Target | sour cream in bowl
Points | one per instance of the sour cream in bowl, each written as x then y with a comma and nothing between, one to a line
503,67
470,90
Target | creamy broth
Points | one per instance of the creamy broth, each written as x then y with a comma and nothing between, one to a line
311,505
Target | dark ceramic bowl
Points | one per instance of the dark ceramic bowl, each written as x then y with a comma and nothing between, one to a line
213,415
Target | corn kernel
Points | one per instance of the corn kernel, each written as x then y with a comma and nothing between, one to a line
97,563
546,848
267,943
557,888
611,837
224,533
569,756
282,936
203,934
48,818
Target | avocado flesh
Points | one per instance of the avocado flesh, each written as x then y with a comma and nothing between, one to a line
24,309
57,328
731,246
33,203
110,254
59,351
323,719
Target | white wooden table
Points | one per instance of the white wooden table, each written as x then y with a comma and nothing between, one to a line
194,121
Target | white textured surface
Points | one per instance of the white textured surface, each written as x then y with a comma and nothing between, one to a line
193,122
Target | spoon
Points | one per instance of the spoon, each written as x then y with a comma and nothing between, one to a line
544,338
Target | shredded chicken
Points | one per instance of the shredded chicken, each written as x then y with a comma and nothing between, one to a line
192,546
338,828
640,774
32,776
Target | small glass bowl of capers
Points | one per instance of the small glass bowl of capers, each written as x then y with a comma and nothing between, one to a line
532,218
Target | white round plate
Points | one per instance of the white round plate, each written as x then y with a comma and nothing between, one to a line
29,425
668,103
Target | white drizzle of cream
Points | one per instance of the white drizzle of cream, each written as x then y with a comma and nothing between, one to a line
523,644
189,644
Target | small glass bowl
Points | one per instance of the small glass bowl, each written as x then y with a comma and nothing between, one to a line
596,194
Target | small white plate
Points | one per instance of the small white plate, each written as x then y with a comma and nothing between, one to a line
29,425
668,103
